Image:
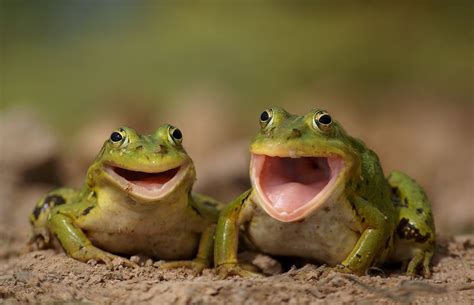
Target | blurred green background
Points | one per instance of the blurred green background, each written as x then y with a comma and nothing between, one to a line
91,58
397,74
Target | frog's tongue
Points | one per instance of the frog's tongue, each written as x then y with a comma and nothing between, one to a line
150,181
289,186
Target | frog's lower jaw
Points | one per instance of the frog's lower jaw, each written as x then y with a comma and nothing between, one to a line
290,188
147,186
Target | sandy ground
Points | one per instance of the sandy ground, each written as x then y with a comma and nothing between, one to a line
47,276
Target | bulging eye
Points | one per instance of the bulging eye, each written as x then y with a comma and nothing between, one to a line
175,135
322,121
266,117
118,137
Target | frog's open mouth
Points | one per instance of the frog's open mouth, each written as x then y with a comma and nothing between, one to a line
147,185
292,187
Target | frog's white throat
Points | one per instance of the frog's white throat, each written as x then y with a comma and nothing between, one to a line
290,188
150,185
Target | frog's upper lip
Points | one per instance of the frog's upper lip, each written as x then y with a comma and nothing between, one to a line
290,188
150,185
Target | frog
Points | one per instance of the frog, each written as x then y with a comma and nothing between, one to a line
137,198
319,194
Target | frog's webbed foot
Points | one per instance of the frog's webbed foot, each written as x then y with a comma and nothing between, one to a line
227,270
40,238
420,260
196,265
90,252
340,268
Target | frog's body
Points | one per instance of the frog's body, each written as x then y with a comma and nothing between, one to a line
321,194
137,199
311,238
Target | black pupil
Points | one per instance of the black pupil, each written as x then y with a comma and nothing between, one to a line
325,119
115,136
177,134
264,116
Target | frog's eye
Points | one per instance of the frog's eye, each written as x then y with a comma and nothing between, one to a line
116,137
119,137
266,117
322,121
175,135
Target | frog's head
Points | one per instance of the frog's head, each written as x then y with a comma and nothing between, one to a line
148,168
298,162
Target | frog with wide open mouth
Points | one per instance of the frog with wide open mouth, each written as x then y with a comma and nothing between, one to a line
318,193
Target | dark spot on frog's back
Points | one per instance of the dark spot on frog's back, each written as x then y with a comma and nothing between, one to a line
49,202
407,230
419,211
395,196
37,211
54,200
87,210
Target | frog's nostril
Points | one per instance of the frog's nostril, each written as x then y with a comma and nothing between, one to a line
139,147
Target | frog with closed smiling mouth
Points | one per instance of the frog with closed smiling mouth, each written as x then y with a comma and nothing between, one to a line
320,194
136,199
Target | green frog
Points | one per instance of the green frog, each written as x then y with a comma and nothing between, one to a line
318,193
136,199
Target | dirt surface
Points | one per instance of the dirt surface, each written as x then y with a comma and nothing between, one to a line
47,276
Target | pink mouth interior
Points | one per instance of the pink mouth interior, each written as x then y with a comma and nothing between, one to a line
150,181
290,183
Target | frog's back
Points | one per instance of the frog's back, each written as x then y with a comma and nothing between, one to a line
415,233
43,207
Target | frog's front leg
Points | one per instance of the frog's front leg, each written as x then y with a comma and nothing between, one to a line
227,240
75,242
203,259
375,241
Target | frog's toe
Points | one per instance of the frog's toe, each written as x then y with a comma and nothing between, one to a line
421,260
228,270
427,265
196,266
342,268
126,262
110,260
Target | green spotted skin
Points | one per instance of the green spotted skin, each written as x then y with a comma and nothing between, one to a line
112,215
367,220
415,237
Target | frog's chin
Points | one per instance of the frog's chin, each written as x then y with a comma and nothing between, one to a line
147,186
290,188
